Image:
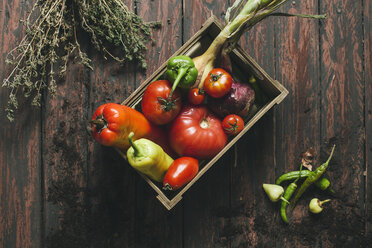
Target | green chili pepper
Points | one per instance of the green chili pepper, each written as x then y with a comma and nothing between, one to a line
323,183
148,158
292,175
181,71
313,177
287,195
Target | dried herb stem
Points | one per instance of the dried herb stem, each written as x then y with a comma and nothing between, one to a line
51,41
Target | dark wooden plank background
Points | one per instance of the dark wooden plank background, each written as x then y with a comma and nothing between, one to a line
59,188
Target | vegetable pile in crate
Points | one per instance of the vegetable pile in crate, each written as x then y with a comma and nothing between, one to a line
172,111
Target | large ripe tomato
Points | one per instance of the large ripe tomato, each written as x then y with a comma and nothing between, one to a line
181,171
196,96
233,124
156,105
218,83
196,132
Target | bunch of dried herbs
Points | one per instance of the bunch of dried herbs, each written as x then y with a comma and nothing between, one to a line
51,42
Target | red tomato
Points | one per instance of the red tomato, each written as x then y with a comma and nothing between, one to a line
156,105
218,83
233,124
181,171
196,96
196,132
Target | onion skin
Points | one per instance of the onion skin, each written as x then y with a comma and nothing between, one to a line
237,101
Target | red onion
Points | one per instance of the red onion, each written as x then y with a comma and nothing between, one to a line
238,101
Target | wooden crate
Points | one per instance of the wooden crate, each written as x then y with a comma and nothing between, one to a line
272,89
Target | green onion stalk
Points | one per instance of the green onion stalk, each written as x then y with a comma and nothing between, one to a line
246,16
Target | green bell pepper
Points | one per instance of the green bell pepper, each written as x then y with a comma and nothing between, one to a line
148,158
181,71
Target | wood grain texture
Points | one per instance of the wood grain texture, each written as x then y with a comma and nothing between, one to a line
297,119
64,156
367,34
197,12
342,119
297,67
20,150
166,40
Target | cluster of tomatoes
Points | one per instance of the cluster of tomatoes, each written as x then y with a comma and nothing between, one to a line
193,130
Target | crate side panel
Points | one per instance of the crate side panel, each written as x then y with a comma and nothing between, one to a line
343,119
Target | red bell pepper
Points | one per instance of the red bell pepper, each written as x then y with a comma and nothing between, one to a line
112,123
